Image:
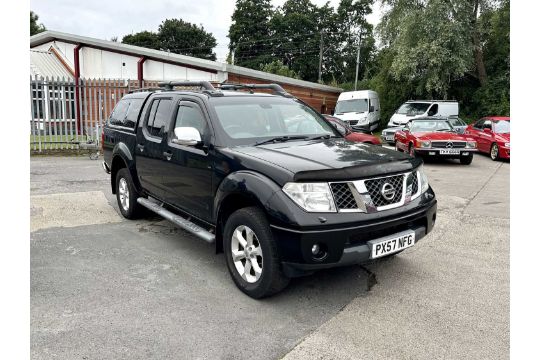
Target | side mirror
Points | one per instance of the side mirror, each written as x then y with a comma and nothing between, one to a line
487,130
188,136
371,108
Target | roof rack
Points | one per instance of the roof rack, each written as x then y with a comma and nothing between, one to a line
277,89
169,85
145,89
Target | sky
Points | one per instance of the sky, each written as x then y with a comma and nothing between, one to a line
104,19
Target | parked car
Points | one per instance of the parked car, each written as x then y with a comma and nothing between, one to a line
347,132
435,137
459,125
492,135
279,200
389,133
360,109
414,109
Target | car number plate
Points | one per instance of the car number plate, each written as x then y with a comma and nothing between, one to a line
389,137
449,151
392,244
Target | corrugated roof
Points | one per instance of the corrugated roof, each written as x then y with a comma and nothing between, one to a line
45,63
48,36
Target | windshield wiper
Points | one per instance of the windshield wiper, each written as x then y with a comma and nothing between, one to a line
325,136
281,139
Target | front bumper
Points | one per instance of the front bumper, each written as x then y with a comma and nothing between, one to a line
348,245
504,153
437,152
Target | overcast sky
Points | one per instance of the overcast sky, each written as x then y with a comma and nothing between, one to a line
105,19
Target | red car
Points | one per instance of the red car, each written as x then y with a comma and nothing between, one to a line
349,134
492,135
435,137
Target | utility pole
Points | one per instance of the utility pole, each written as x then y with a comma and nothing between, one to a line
320,56
357,59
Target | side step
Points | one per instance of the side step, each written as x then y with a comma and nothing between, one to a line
178,220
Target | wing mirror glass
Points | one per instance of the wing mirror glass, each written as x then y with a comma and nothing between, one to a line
188,136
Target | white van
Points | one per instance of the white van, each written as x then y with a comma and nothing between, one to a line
360,109
420,108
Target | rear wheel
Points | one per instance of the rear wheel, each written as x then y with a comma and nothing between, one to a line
126,195
466,160
494,152
251,254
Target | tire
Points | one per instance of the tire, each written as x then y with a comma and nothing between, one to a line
412,152
466,160
127,195
494,152
262,252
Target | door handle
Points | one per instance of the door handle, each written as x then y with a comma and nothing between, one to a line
140,147
168,155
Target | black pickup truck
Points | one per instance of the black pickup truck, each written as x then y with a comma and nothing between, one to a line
265,178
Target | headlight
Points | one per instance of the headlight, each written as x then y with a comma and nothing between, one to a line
471,144
362,120
424,185
313,197
507,145
424,144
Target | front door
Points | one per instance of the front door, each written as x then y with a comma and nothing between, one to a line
187,176
151,139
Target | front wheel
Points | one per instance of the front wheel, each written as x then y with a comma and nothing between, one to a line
251,254
494,152
466,160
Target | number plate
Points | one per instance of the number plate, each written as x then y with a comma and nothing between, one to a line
391,244
389,138
449,151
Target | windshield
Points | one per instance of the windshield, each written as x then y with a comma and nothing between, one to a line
412,109
248,120
430,126
501,127
354,105
456,122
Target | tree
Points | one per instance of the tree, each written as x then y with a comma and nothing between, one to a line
250,35
35,28
176,36
145,39
278,68
181,37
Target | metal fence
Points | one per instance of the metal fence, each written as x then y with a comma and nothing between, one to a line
69,114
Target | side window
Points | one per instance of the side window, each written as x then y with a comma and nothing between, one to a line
133,113
487,124
118,115
190,115
478,124
159,117
339,128
433,110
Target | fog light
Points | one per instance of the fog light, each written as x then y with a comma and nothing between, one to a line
315,249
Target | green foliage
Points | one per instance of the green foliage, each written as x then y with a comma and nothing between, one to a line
35,28
250,34
278,68
145,39
177,36
292,34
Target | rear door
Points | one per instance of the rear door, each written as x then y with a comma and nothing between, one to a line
151,141
187,171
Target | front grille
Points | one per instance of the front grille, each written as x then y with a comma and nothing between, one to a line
353,122
374,187
343,196
448,144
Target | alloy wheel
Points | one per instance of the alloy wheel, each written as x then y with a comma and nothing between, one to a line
123,192
494,152
247,254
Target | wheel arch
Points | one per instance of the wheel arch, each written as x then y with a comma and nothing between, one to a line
122,158
239,190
